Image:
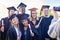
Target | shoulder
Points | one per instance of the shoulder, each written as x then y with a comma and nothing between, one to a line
11,29
58,21
27,15
51,16
41,17
18,15
5,18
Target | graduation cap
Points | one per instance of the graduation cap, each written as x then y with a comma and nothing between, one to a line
45,6
56,8
11,8
24,16
22,5
19,15
13,16
33,10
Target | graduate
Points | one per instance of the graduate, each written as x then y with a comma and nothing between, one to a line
34,23
5,22
54,28
55,10
27,34
22,9
46,21
14,32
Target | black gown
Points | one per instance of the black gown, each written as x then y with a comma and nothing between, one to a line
45,26
19,17
11,34
7,24
26,34
36,31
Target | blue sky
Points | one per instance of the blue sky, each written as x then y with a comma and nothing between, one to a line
52,2
30,3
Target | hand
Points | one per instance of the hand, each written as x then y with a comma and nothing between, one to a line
18,38
2,29
37,26
32,34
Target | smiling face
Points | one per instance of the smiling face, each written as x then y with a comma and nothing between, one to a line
11,12
45,10
34,14
15,21
25,22
22,10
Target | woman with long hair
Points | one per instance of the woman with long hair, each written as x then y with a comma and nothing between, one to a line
14,32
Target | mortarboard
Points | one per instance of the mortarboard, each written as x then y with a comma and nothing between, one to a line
11,8
56,8
19,15
33,10
24,16
22,5
13,16
45,6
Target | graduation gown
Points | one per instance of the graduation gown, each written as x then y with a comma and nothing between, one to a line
45,26
36,31
11,34
7,24
19,17
26,34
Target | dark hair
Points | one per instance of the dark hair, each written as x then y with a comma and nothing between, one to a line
13,16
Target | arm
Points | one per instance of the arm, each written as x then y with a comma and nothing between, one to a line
52,30
10,35
2,25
